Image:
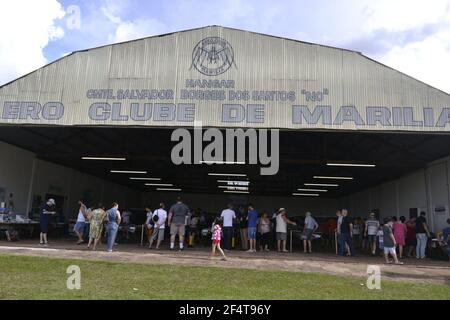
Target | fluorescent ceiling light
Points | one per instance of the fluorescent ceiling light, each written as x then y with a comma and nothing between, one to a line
104,158
228,174
321,184
221,162
234,183
168,189
333,164
333,178
128,171
227,191
306,194
313,190
160,184
150,179
234,188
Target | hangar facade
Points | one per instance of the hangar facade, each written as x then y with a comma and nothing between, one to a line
367,136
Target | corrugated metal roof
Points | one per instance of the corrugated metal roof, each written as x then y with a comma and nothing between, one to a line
261,63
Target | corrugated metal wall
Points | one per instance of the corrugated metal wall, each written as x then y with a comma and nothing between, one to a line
261,63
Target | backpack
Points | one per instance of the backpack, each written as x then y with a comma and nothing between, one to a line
155,218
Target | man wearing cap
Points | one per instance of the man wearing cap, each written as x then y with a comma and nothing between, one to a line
281,228
46,212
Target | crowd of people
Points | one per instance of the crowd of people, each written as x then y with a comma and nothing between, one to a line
394,238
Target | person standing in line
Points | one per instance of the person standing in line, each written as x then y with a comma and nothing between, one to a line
177,222
329,232
80,224
363,234
273,233
159,219
114,218
227,215
46,212
371,231
252,218
126,222
411,240
338,229
399,229
346,233
446,232
96,218
389,242
264,226
445,241
309,228
281,228
357,233
422,235
193,227
216,237
243,224
149,223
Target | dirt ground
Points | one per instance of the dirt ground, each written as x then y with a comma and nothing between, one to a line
427,270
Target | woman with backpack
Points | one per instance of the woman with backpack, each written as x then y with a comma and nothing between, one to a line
159,221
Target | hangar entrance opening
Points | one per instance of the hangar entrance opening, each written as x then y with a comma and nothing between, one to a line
410,171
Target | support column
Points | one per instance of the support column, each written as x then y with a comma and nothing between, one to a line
30,188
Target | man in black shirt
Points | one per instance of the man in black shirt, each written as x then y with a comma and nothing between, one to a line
422,235
346,233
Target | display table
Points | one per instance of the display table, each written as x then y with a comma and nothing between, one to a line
316,235
25,226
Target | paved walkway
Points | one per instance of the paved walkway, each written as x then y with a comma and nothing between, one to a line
426,270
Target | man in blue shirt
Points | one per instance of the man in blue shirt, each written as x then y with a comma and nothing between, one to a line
252,218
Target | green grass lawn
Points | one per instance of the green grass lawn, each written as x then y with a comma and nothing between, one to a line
45,278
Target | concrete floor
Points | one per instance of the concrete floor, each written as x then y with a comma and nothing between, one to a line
426,270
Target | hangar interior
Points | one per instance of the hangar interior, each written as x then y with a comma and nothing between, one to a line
410,171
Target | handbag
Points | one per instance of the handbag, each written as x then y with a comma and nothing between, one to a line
155,218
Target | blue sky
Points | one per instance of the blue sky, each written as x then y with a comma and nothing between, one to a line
412,36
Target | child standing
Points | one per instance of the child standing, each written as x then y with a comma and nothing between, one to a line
216,237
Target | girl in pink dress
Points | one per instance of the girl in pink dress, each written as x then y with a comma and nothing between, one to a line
216,237
399,229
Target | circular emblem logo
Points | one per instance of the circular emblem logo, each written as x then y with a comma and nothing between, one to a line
212,56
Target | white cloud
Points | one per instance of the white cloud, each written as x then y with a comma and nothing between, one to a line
128,30
27,27
400,15
408,35
426,58
137,29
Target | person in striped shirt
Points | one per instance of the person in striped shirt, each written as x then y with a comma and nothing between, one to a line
371,230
